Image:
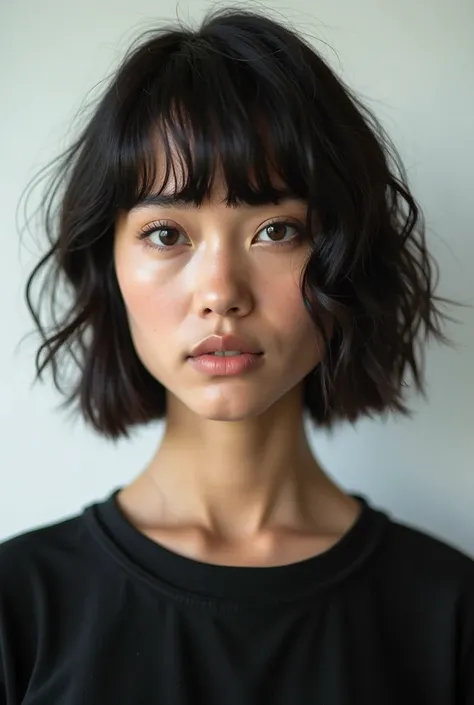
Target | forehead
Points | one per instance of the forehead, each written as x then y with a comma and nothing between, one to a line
217,197
172,188
173,168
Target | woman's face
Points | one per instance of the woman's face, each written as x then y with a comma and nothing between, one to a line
225,271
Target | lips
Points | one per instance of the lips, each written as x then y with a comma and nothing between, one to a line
225,343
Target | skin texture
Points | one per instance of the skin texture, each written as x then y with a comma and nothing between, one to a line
233,480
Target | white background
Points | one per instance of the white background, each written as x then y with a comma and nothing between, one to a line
413,63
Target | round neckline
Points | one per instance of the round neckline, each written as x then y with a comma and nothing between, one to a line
187,578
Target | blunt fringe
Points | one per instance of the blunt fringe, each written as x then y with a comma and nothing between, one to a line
246,94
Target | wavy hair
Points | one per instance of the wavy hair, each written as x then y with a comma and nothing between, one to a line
250,96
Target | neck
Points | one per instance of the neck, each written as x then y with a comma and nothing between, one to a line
238,479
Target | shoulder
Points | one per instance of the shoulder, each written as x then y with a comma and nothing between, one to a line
428,587
43,538
424,575
40,573
38,554
422,553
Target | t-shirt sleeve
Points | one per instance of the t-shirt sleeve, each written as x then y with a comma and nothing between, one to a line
466,680
3,692
3,695
16,620
4,575
468,687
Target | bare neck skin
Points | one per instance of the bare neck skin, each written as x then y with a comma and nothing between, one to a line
242,486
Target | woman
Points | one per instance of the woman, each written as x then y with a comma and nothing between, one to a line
241,249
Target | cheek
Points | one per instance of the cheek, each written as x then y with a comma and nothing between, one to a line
285,313
150,298
282,305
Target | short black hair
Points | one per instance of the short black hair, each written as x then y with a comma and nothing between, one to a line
253,94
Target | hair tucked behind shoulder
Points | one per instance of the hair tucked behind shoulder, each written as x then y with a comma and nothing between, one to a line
253,95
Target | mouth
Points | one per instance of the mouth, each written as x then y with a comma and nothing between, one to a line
219,353
228,363
225,346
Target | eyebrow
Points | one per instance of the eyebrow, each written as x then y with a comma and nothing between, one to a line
161,200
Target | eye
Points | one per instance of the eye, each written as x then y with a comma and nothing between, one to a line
161,236
280,232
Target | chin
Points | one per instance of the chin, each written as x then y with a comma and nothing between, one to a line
226,417
227,409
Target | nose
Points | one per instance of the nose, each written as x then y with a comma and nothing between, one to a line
222,286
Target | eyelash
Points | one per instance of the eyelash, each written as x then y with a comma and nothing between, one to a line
144,235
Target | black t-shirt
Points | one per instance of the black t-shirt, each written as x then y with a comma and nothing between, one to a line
92,612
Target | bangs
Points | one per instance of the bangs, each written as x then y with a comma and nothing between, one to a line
211,112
